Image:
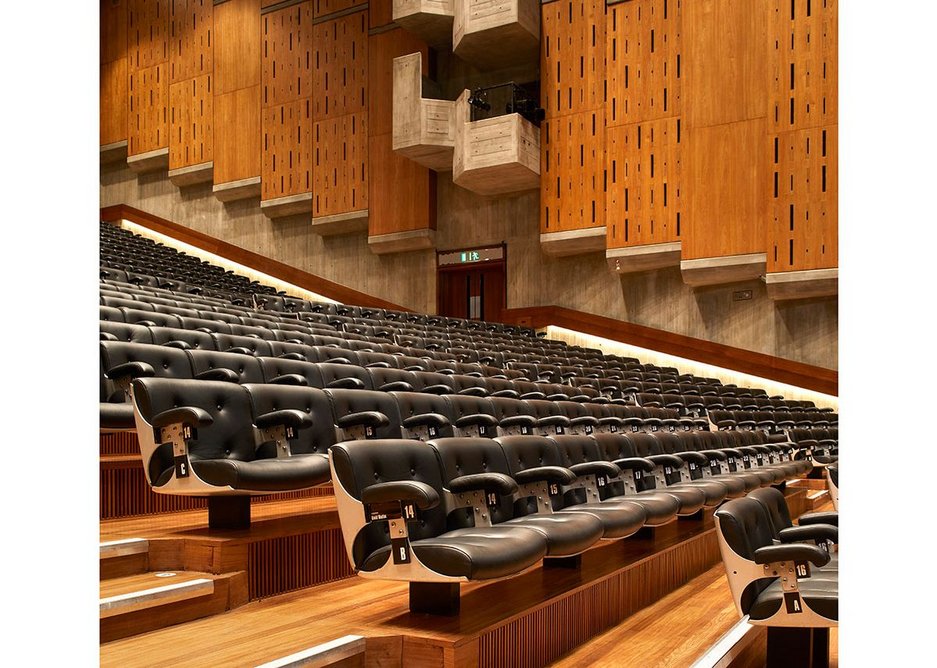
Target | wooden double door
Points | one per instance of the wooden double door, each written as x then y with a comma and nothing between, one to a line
472,291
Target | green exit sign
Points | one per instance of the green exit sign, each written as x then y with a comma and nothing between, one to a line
471,256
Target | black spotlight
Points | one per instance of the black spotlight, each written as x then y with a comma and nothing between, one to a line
479,100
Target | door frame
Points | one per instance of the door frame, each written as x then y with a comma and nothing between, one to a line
503,263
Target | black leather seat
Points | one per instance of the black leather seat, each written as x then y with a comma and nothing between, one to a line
821,528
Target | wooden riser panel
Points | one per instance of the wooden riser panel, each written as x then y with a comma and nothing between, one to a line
292,562
572,168
287,150
119,443
190,39
147,33
287,53
803,217
340,165
148,110
340,67
572,65
643,166
644,61
190,122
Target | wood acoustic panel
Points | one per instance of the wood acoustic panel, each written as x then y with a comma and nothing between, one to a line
190,122
382,49
644,169
190,39
113,30
286,167
572,172
287,563
572,65
340,165
381,13
237,135
325,7
724,42
401,193
644,61
340,76
287,54
238,43
147,33
113,101
803,64
148,109
802,227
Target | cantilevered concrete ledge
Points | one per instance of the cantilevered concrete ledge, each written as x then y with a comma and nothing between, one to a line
643,258
719,270
235,190
573,242
803,284
430,20
150,161
193,174
400,242
341,223
290,205
115,152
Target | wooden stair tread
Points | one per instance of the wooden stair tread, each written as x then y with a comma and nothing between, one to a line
148,590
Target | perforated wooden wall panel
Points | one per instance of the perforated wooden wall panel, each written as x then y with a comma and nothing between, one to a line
287,54
237,45
190,122
340,165
802,139
113,30
287,150
572,66
644,61
190,39
148,109
644,168
572,172
113,103
147,33
324,7
340,77
237,135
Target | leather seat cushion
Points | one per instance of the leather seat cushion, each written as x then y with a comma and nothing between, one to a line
821,595
618,519
479,553
735,486
750,480
659,506
766,476
265,475
116,416
565,533
691,499
714,492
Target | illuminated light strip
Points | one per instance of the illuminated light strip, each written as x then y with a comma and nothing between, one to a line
326,654
730,645
252,274
646,355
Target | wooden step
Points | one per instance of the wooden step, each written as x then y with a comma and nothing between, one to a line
346,652
817,498
146,601
127,556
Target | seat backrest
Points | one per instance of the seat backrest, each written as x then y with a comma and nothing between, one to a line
257,347
276,367
267,398
246,367
393,379
411,404
165,362
189,337
122,331
344,376
746,526
526,452
773,501
346,402
133,315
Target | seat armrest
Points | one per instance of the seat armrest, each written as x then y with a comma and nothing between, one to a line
506,394
589,420
476,419
557,474
533,395
473,392
553,421
290,379
438,389
129,370
364,418
187,415
225,375
396,386
635,464
610,421
490,481
289,417
338,360
666,460
107,336
694,457
822,517
348,383
377,365
240,350
426,420
792,552
519,421
299,357
418,493
809,532
181,345
596,468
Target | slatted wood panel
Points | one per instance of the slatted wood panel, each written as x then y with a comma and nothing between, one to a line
382,49
577,618
802,228
119,443
572,66
190,122
147,33
286,167
572,172
237,45
148,110
802,139
113,30
237,135
644,61
287,54
644,168
292,562
401,193
340,165
190,39
113,102
340,77
323,7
